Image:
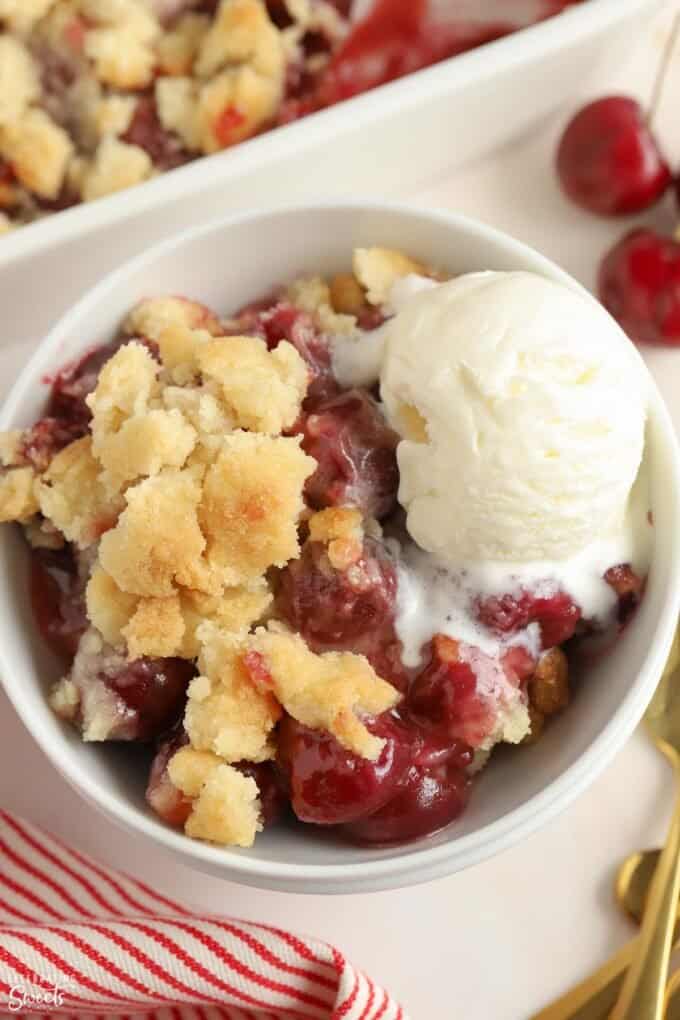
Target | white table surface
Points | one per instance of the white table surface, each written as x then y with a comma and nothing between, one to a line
500,940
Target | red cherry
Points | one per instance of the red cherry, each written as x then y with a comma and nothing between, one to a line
557,615
426,801
639,283
608,160
166,800
355,450
330,785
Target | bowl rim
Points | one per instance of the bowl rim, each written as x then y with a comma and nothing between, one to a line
416,862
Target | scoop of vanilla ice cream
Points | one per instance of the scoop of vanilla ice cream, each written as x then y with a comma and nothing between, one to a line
521,407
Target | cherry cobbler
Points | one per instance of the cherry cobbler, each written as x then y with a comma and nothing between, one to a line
98,95
219,559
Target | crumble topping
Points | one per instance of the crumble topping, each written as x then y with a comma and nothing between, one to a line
18,501
19,85
252,499
38,150
314,295
331,691
72,495
116,165
263,389
377,270
341,528
226,712
226,804
154,315
21,15
178,47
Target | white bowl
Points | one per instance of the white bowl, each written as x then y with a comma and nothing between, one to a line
226,265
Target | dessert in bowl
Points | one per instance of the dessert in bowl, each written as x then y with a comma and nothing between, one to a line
326,548
101,95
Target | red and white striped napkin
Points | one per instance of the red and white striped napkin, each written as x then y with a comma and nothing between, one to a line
77,939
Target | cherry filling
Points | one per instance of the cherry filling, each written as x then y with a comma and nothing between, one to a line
416,786
461,692
556,614
628,588
153,692
355,450
427,800
146,131
67,416
330,785
346,610
162,796
58,599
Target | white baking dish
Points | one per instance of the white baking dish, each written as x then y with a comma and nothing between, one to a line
386,142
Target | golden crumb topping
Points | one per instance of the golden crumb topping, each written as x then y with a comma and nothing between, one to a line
108,607
235,610
226,807
116,165
125,386
332,691
263,389
341,529
251,503
19,85
377,269
156,628
313,295
157,541
153,315
177,48
226,713
143,446
38,150
241,33
18,500
72,495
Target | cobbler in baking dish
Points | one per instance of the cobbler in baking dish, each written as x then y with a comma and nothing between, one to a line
99,95
220,560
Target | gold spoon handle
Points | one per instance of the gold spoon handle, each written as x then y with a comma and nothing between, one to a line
595,997
642,995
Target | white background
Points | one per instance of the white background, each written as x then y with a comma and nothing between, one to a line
499,941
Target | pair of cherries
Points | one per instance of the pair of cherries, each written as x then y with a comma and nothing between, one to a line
610,163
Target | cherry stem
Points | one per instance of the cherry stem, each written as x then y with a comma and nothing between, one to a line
662,72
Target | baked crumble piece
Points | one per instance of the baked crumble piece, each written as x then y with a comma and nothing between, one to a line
217,559
101,95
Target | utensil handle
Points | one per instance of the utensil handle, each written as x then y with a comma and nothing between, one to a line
642,994
593,998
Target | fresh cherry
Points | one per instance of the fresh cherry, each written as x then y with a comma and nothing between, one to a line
639,283
608,160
